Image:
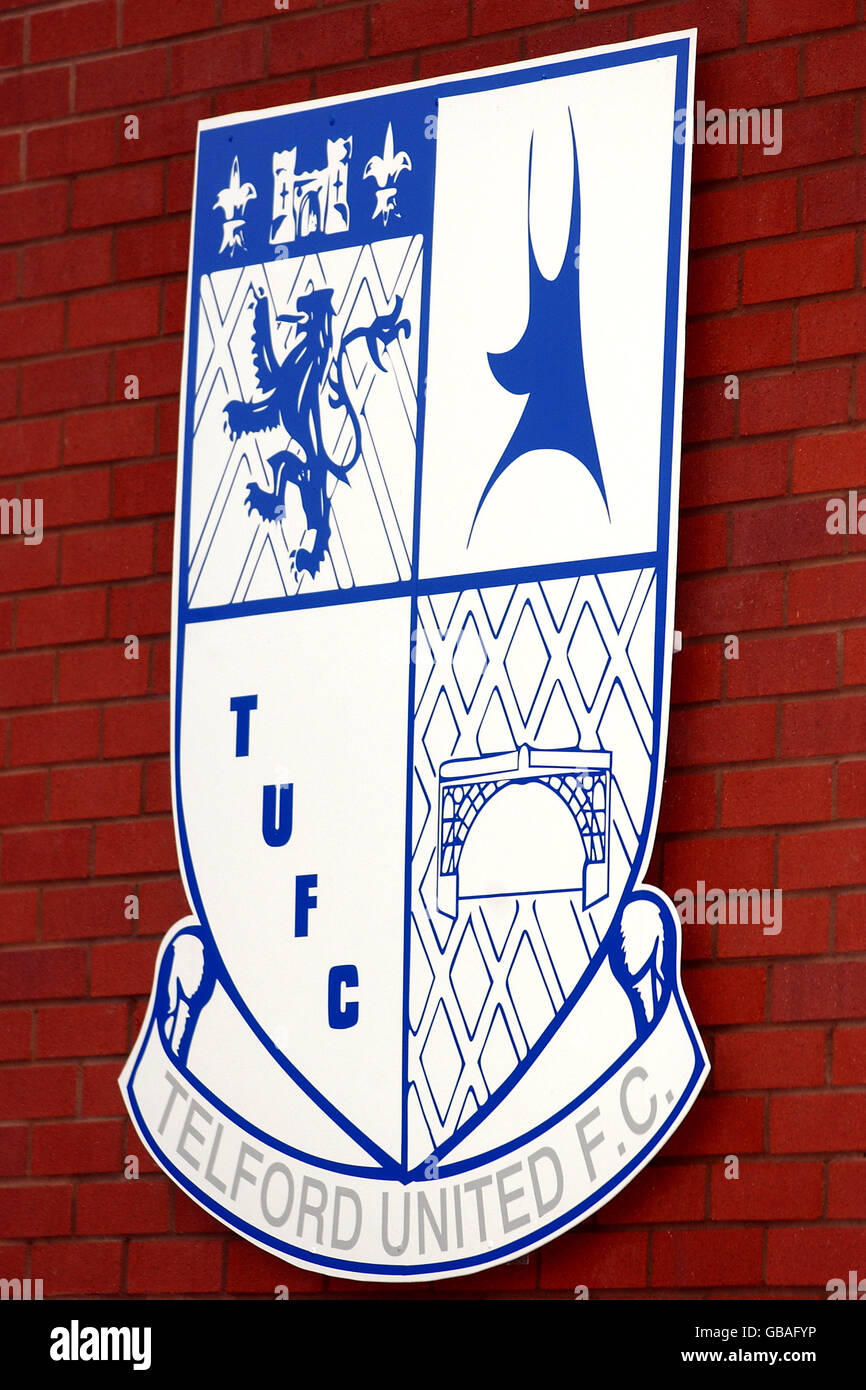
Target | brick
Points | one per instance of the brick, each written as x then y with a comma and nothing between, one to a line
12,43
100,1097
165,129
70,499
100,673
262,96
822,858
28,331
84,910
830,724
756,77
142,846
835,328
83,1267
145,252
854,657
697,673
26,679
688,803
811,134
783,665
43,1209
766,20
70,148
768,1192
726,994
124,195
250,1270
83,262
738,733
65,383
706,1258
826,593
162,903
29,446
851,790
613,1260
823,462
54,736
191,1219
15,1029
28,213
834,64
734,473
160,678
22,798
718,25
469,58
819,990
703,543
707,413
745,213
163,19
121,432
729,603
30,856
318,41
145,489
818,1122
140,608
81,1030
36,1092
789,531
795,400
849,1055
18,914
8,392
9,275
713,282
729,861
13,1159
34,96
846,1191
124,552
833,197
715,347
122,969
204,64
94,793
662,1193
65,616
63,33
413,25
777,796
124,80
79,1147
123,1208
136,729
11,161
771,1059
114,316
786,270
175,1266
157,366
851,922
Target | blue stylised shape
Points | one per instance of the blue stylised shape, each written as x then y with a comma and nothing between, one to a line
547,362
186,982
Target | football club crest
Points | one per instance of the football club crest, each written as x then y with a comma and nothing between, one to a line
425,1014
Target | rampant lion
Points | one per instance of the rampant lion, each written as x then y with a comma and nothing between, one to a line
291,396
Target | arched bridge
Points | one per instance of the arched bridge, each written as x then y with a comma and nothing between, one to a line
580,780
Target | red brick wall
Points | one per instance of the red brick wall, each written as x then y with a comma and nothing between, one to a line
766,773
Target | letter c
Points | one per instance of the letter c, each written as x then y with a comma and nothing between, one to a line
342,1013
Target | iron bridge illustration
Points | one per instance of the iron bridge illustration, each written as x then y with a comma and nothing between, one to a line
581,780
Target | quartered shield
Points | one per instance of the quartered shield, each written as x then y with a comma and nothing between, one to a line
425,1014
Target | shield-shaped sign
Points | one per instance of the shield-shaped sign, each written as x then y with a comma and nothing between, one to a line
425,1014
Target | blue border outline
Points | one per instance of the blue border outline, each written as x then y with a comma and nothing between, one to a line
658,560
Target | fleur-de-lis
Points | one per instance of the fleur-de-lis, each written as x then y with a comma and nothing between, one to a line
386,168
231,201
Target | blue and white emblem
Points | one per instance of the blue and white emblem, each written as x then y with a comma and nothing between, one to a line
425,1013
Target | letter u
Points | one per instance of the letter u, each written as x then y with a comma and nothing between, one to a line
277,829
